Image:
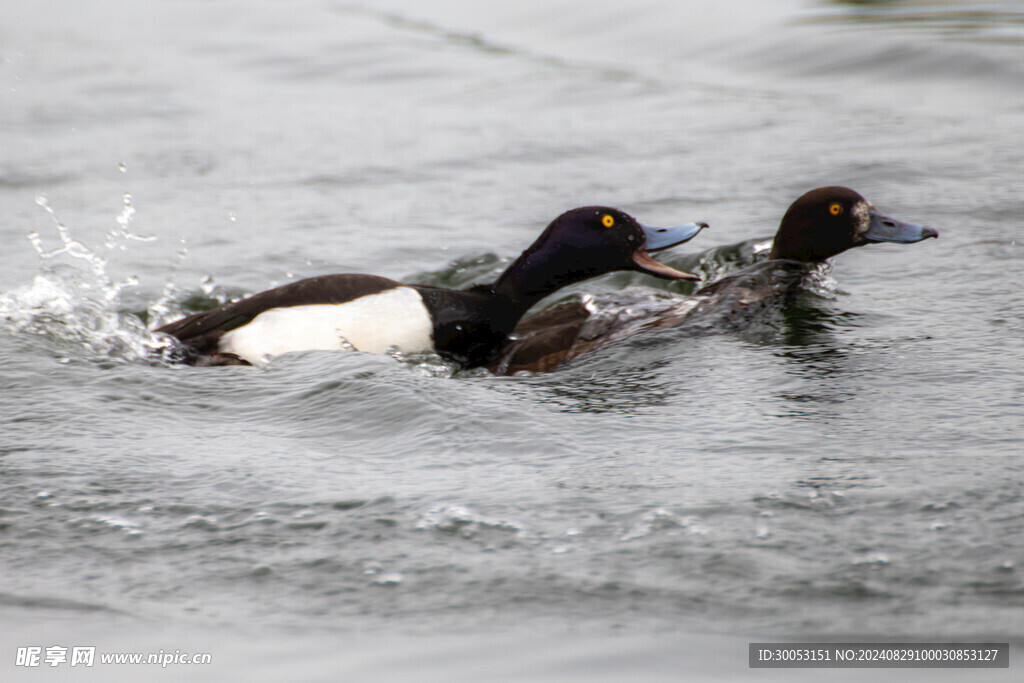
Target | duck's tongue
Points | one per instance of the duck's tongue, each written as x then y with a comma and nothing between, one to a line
646,264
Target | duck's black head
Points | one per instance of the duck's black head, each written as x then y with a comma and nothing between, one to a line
587,242
829,220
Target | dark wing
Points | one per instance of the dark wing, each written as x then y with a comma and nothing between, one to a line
542,341
202,330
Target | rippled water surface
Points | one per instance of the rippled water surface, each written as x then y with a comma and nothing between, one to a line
848,465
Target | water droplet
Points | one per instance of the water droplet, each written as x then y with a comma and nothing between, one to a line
389,579
122,167
125,217
879,558
207,285
232,217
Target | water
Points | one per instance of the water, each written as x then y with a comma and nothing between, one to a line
848,468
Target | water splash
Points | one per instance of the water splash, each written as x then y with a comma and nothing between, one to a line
123,231
661,519
164,309
425,364
460,520
78,308
207,285
819,281
69,245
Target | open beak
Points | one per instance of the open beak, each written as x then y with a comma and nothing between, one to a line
657,239
885,229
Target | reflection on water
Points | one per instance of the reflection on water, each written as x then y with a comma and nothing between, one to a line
819,355
625,391
812,321
989,21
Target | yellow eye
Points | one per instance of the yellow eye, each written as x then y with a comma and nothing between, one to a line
607,221
835,209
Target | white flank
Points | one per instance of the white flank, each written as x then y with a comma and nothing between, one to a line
374,323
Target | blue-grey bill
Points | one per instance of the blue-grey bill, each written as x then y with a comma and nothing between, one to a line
885,229
663,238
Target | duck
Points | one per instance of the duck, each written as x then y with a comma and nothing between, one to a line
819,225
467,327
